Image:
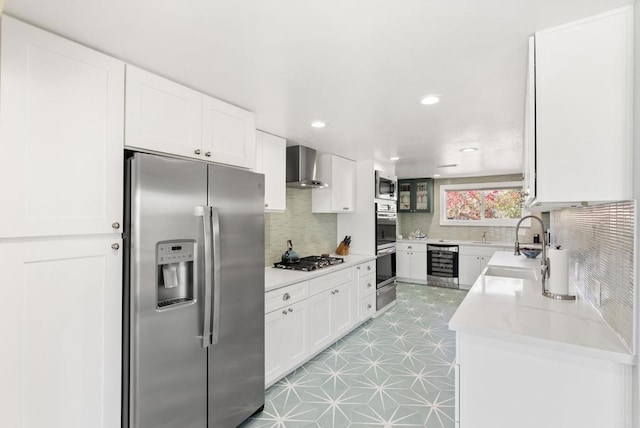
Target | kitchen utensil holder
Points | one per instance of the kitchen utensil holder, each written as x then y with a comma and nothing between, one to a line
342,249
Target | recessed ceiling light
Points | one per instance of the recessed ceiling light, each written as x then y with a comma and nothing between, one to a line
430,99
394,158
449,165
468,149
436,175
318,124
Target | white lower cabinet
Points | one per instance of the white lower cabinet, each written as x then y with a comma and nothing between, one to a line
332,310
304,318
411,262
472,260
286,344
61,359
502,384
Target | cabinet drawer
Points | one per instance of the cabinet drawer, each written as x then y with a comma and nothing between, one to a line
281,297
416,247
367,307
367,284
326,282
366,268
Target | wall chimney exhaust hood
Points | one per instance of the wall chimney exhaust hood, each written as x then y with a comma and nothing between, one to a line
301,168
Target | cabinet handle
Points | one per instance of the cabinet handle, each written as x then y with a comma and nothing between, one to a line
115,225
337,291
115,246
369,306
369,285
208,154
286,296
284,312
290,310
410,247
266,205
196,151
345,208
333,292
368,267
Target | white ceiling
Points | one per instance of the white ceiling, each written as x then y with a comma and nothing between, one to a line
359,65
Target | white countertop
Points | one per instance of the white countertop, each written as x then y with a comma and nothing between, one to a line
515,310
457,242
276,278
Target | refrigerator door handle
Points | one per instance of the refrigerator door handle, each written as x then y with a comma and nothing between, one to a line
205,212
215,223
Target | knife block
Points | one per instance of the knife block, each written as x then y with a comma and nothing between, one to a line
342,249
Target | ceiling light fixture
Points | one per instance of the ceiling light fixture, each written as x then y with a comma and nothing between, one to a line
429,100
394,158
449,165
318,124
468,149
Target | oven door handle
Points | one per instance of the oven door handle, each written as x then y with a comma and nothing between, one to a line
386,251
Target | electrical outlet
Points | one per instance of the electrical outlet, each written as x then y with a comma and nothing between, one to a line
597,291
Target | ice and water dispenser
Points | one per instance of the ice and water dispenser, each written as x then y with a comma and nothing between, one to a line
174,264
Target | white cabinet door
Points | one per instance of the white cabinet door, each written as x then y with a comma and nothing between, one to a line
320,316
297,334
61,333
468,269
228,133
275,336
162,115
344,308
340,174
529,136
271,153
584,87
419,266
61,133
403,264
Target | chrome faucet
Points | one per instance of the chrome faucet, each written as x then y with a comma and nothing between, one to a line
484,236
544,263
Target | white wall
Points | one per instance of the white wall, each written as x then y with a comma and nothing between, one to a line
360,224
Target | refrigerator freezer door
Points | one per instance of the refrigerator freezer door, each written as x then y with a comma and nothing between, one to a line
167,363
236,361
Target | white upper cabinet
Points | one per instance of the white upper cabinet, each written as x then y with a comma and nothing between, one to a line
162,115
340,174
61,134
271,155
583,76
228,133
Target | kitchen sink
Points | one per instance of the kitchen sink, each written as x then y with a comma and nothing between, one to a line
481,242
505,272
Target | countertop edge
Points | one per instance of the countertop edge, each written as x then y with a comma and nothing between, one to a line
293,277
465,326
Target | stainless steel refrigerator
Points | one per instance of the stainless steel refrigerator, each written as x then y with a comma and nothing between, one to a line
194,294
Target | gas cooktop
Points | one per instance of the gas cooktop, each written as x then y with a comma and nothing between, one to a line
310,263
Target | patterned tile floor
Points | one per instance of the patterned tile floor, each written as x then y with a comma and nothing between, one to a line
396,370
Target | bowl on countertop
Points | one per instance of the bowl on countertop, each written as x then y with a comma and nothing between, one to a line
530,253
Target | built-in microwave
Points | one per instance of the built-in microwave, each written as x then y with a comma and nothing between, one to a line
386,186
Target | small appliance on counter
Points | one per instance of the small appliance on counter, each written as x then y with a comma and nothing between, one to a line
308,264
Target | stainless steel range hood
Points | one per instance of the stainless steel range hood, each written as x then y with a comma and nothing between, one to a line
301,168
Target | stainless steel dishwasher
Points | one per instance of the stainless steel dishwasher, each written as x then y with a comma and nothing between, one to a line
442,265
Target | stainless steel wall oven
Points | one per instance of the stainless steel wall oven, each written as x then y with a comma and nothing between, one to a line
386,223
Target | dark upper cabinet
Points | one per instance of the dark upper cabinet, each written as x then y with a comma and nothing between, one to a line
415,195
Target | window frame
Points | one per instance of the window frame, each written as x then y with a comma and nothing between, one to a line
483,222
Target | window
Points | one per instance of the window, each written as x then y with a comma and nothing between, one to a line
481,204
